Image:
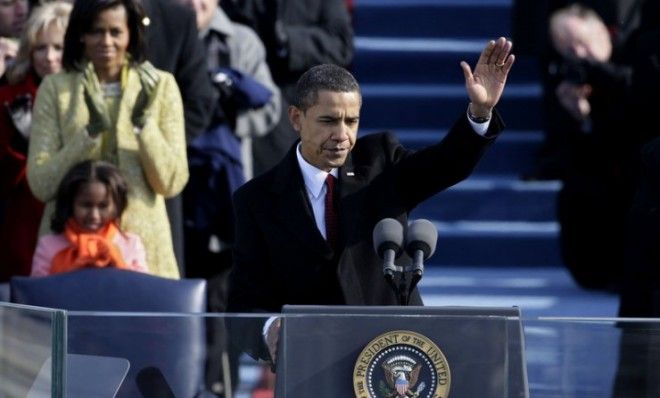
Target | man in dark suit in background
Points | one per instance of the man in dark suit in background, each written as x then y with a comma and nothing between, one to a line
297,34
173,45
287,252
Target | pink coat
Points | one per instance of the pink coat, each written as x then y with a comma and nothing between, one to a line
129,245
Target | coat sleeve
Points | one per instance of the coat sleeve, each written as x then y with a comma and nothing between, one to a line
49,157
162,143
191,74
422,174
12,163
251,287
136,255
258,122
43,256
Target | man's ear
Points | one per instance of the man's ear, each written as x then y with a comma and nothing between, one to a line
295,116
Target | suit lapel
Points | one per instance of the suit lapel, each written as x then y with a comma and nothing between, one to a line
351,209
297,217
351,179
297,214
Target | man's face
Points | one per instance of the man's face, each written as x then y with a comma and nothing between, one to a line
13,14
580,38
204,10
328,129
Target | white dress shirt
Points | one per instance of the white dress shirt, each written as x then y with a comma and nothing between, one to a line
315,187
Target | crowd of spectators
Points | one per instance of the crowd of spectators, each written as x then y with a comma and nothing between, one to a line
227,77
40,54
194,93
159,95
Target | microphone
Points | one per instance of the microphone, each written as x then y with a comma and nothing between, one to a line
152,384
388,239
420,243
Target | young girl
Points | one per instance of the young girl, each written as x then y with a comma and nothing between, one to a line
90,200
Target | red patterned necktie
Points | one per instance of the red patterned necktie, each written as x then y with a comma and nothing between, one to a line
331,222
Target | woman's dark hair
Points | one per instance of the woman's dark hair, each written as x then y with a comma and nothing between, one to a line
85,173
82,19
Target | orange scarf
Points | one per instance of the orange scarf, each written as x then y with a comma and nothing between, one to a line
88,249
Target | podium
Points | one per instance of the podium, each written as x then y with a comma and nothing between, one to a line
564,356
401,351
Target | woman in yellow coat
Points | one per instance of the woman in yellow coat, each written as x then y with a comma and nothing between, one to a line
110,104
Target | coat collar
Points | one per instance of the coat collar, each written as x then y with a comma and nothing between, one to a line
297,213
313,178
220,23
288,175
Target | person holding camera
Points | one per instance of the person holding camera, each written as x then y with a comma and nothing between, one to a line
587,121
297,35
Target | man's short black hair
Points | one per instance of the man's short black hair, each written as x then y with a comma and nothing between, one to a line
323,77
82,18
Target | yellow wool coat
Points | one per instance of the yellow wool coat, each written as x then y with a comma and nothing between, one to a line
153,162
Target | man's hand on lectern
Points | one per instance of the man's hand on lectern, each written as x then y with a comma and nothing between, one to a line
272,337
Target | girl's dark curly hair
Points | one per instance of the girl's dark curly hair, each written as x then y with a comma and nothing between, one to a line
85,173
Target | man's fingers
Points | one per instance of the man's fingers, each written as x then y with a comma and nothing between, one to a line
497,50
509,63
272,338
467,72
486,53
502,51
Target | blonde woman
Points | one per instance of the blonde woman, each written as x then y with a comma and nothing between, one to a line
39,55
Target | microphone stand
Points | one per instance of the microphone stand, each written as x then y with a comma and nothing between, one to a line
417,270
403,292
404,289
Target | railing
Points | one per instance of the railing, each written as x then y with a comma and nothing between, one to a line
50,352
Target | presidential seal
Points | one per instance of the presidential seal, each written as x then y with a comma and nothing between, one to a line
401,364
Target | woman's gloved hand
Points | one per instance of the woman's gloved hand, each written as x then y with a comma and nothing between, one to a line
99,120
149,81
